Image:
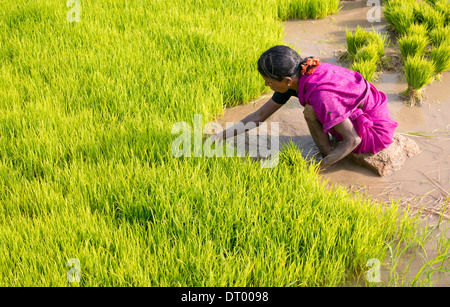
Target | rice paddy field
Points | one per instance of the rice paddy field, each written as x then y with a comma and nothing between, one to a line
87,173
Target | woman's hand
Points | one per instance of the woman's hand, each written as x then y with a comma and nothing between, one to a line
323,166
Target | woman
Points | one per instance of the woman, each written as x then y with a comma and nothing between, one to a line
336,101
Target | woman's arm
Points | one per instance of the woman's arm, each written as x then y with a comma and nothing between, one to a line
256,117
350,140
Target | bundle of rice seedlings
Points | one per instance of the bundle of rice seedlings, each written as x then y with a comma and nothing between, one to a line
440,56
444,7
357,40
441,6
364,47
361,38
419,72
366,68
368,53
417,29
439,35
378,41
411,45
399,15
428,16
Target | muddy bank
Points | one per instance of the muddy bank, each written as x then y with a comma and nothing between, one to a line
424,181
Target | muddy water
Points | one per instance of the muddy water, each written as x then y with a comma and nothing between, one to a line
424,181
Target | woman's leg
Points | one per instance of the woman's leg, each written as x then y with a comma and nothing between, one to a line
321,138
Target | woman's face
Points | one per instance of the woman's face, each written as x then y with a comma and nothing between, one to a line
277,86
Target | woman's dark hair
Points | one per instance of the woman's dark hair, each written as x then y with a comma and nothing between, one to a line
281,61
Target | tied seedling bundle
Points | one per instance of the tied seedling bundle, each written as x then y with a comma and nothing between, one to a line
441,58
365,49
411,45
419,72
439,35
399,15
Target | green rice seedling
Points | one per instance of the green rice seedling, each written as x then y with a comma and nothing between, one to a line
395,3
438,264
320,9
411,45
428,16
444,7
317,9
419,72
304,9
441,6
439,35
431,2
366,68
399,15
417,29
424,277
356,40
360,39
441,58
368,53
379,41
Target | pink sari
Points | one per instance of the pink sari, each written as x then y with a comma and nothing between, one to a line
335,92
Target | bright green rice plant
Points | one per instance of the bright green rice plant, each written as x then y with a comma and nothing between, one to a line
419,72
444,7
441,58
439,35
356,40
417,29
365,45
430,2
361,38
441,6
399,14
320,9
366,68
394,3
411,45
428,16
378,41
368,53
304,9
